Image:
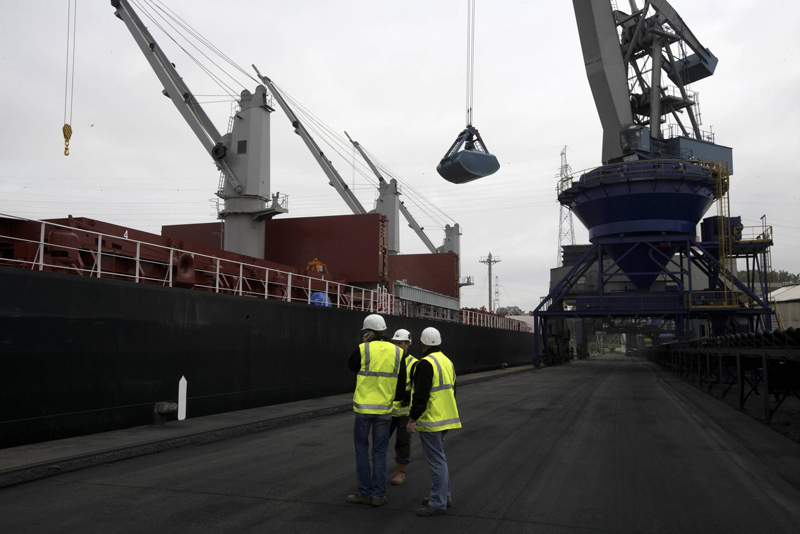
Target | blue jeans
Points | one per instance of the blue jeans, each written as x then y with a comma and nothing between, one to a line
371,483
433,445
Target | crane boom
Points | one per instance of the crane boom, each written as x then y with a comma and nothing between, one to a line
606,71
327,167
697,66
619,52
412,223
694,67
243,155
174,87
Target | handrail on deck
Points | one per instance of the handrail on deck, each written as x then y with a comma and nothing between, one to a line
150,263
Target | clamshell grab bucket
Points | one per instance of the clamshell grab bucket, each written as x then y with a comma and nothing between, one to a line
469,164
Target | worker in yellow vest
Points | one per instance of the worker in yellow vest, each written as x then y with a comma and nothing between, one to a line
378,364
400,410
433,413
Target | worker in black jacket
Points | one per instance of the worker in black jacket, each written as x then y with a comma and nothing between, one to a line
434,412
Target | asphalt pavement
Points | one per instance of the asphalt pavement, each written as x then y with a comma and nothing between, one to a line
609,444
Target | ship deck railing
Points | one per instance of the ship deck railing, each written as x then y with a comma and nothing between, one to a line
120,258
53,247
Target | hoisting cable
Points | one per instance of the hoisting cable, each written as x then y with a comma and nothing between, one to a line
470,57
208,44
167,13
338,145
468,159
69,83
325,133
217,79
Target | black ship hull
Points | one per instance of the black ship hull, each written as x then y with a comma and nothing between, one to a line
80,355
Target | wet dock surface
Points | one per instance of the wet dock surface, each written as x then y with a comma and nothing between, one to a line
610,444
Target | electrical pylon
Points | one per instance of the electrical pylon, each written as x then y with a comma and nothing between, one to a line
566,230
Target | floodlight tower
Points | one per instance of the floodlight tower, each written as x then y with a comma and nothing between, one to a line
565,228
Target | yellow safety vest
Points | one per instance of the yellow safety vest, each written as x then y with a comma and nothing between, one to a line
441,412
377,379
398,410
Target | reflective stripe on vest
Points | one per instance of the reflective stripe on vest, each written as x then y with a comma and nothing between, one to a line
440,423
441,384
441,413
374,393
399,411
367,372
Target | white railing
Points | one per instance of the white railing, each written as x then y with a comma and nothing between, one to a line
57,248
113,257
490,320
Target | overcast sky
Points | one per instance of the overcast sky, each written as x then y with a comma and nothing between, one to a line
392,74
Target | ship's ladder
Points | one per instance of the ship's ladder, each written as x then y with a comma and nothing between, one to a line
719,170
775,316
777,313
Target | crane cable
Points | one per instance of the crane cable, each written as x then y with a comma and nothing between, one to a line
154,12
69,84
325,134
470,57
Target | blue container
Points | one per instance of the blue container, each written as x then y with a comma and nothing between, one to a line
320,299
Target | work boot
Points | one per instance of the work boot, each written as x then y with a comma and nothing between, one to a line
428,511
378,502
426,501
358,499
400,475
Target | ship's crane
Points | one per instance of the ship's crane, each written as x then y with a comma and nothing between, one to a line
642,207
388,202
243,155
632,107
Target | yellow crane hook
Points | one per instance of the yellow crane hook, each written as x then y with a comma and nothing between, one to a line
67,129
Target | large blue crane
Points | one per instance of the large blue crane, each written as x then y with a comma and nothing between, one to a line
660,175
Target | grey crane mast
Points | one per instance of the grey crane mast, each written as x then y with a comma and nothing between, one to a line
243,156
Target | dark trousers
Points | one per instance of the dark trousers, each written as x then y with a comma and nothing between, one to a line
402,445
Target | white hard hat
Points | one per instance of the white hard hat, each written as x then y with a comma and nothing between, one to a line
402,335
374,322
431,337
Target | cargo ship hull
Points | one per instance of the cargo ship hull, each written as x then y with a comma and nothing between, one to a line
83,355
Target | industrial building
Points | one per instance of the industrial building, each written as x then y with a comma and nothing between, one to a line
787,305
